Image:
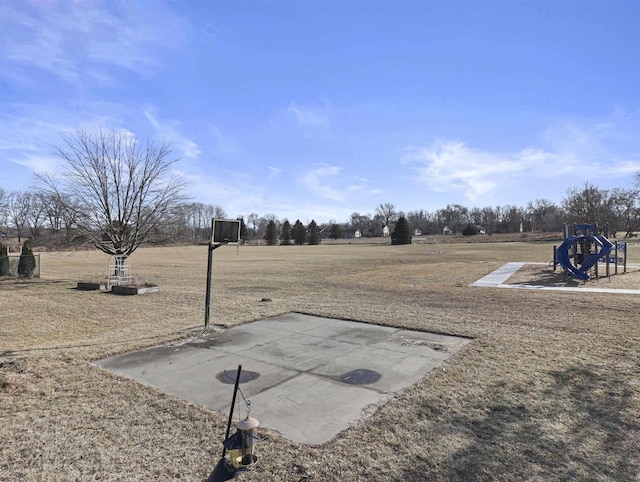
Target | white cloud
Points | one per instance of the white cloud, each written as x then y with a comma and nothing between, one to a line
224,146
577,151
274,172
83,40
310,117
170,131
452,166
317,181
37,163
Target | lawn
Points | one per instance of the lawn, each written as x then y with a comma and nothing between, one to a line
547,390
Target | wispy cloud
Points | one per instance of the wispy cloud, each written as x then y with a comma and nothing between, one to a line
584,151
452,166
309,116
274,172
170,131
317,180
329,182
84,40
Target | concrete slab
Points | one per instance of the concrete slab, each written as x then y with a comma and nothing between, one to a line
497,278
315,375
312,409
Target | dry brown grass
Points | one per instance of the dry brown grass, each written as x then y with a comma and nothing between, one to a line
548,390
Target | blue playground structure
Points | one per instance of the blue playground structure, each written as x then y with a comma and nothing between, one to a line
586,247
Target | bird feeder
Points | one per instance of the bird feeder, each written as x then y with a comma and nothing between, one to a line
241,444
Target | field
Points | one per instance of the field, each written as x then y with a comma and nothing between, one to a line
548,389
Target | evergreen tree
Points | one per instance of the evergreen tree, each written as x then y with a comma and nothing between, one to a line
5,267
271,234
402,232
285,235
336,231
243,229
27,263
314,233
299,233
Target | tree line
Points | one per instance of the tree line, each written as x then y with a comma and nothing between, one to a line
116,193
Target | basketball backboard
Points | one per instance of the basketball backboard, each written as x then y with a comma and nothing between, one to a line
225,231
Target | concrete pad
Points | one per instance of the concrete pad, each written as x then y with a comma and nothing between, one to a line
315,376
312,409
397,370
299,352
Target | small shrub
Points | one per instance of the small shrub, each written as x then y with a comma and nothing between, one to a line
5,267
470,230
27,264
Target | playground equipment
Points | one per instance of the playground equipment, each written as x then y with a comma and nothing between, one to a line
587,245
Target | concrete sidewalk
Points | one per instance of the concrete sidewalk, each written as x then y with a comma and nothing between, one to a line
313,376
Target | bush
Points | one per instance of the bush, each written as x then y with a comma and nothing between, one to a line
5,267
470,230
27,264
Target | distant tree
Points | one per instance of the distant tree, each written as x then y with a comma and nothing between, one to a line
359,222
471,230
285,233
626,206
18,211
5,267
263,222
3,207
588,205
27,263
252,221
243,228
335,231
402,232
271,234
119,190
388,213
314,233
299,233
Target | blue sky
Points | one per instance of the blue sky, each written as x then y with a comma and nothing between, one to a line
318,109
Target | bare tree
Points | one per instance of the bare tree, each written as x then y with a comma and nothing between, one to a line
3,207
388,213
114,190
18,211
626,207
37,212
588,205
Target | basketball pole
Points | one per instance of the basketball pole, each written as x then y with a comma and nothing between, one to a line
207,303
225,238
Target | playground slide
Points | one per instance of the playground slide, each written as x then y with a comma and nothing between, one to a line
562,255
605,248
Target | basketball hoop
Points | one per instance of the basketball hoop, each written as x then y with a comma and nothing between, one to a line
223,231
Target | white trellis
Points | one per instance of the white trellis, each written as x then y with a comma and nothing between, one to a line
119,271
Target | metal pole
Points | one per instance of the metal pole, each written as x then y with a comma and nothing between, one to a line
207,303
555,259
233,403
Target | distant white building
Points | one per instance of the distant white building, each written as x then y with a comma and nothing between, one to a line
385,231
446,230
357,234
417,232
